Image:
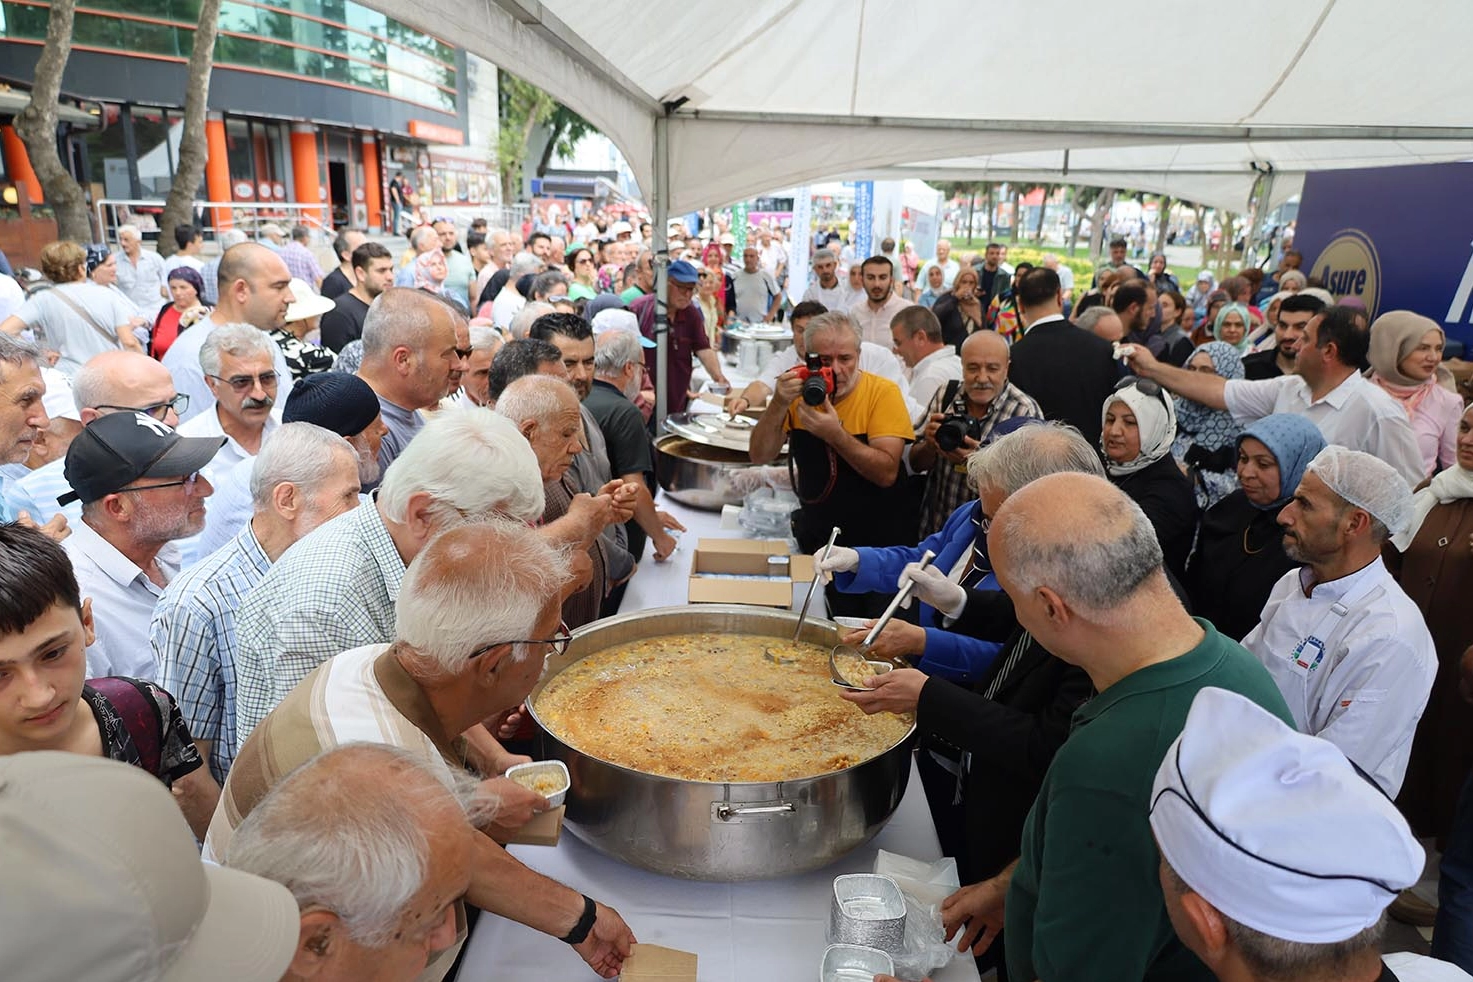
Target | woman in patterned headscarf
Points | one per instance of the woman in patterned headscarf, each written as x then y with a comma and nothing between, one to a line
1206,437
1240,552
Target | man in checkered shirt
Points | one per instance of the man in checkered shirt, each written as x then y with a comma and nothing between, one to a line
304,477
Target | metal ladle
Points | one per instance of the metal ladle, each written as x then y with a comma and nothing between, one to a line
849,651
773,656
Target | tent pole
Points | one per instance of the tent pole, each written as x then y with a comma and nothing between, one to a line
660,241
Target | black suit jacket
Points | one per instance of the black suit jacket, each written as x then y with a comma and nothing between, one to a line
1012,737
1069,371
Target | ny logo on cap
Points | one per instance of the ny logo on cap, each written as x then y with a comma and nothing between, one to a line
159,427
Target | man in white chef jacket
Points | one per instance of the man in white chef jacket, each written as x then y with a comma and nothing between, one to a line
1349,650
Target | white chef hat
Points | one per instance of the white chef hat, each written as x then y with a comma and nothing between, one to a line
1275,828
1366,482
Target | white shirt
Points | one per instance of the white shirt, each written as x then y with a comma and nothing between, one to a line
177,260
872,358
771,256
11,296
231,452
1411,967
874,325
1354,661
507,305
122,603
1355,414
182,361
1066,279
949,269
928,377
838,298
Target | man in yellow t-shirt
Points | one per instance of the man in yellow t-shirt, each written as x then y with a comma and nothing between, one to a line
846,450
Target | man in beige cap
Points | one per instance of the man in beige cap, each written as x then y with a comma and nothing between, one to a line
1277,858
113,888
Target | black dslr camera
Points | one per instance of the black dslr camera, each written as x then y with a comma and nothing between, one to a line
955,428
818,382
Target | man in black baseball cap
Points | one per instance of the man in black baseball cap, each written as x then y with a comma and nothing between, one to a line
140,489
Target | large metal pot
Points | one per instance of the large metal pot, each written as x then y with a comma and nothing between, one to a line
701,475
725,832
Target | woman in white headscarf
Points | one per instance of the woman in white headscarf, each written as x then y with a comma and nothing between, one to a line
1406,349
1138,426
1433,560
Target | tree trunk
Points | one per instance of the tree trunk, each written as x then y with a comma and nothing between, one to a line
36,126
193,147
971,210
1225,244
1048,191
1018,214
987,200
1099,224
1163,221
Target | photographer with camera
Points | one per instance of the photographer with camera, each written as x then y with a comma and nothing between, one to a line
960,418
845,429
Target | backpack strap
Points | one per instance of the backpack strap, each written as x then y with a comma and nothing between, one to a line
139,711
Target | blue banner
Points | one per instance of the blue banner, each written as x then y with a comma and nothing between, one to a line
1397,238
864,219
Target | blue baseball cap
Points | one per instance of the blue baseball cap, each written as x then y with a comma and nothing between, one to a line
683,272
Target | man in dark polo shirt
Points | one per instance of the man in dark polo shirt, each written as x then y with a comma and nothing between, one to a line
688,336
373,273
1083,902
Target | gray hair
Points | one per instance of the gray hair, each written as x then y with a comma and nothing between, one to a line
236,340
129,229
398,317
1292,275
824,255
1268,957
364,863
301,233
537,398
1089,318
303,454
521,324
826,323
1023,456
505,480
615,349
546,281
1087,570
522,264
484,338
422,236
231,238
18,351
443,612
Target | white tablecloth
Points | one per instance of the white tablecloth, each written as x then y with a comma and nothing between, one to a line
742,932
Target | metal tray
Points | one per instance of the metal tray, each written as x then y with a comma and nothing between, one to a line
854,963
867,909
555,767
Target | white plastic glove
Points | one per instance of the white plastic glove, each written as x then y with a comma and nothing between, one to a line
839,559
935,588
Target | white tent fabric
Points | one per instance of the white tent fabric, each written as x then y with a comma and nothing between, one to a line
774,93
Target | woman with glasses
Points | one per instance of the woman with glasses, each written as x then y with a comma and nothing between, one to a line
1138,426
584,285
1240,553
185,308
1206,438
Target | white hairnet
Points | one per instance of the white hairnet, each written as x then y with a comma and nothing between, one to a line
1366,482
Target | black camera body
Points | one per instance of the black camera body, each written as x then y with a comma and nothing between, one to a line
818,382
955,428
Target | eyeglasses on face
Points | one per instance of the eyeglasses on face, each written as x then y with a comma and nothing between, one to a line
559,644
244,383
157,410
188,483
462,352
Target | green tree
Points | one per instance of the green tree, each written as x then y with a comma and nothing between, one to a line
524,107
193,147
36,126
565,128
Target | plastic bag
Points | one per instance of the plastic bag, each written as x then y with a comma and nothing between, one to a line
925,886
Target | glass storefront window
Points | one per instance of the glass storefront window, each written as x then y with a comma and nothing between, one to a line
157,133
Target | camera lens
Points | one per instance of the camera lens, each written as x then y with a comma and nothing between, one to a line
815,390
950,433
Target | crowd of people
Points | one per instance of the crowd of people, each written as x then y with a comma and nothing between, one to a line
278,536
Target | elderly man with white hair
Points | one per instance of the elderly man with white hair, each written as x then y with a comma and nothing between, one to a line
415,346
238,362
475,383
1295,886
140,270
545,409
531,313
478,614
378,885
336,589
422,240
302,479
1348,648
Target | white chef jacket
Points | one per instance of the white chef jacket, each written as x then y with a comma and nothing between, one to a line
1354,661
1355,414
872,358
123,598
839,298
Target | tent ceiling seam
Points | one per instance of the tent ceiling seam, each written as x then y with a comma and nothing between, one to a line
858,48
1293,62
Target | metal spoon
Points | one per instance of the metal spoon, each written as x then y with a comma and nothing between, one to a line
773,656
851,652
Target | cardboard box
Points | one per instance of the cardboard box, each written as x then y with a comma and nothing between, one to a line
545,829
653,963
767,561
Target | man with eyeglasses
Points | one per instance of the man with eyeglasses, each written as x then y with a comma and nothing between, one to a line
237,361
443,666
114,381
140,486
255,289
415,348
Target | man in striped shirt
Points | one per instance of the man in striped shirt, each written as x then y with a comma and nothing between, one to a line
305,476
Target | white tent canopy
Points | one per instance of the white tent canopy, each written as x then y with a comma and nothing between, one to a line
765,94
